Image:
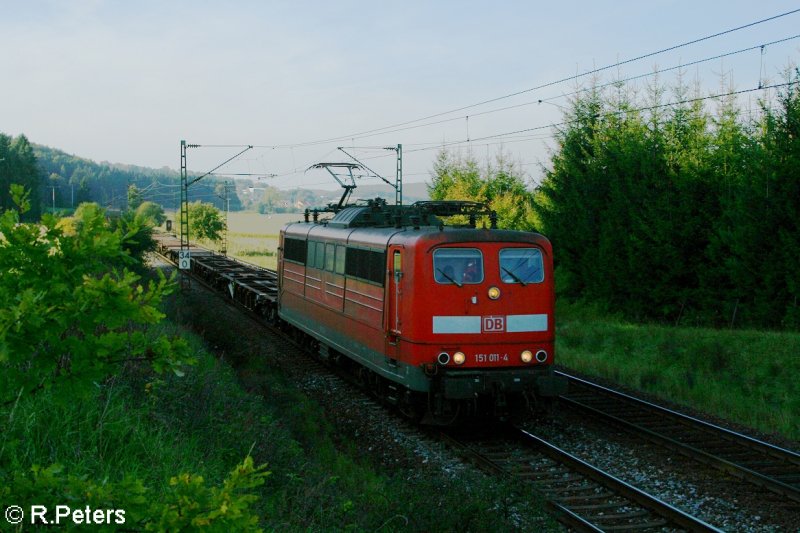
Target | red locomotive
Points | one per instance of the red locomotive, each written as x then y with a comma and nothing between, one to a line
438,319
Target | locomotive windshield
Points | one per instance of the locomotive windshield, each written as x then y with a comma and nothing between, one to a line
457,266
521,265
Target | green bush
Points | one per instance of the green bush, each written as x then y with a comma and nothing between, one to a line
188,503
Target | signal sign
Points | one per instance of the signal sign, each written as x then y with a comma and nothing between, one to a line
184,260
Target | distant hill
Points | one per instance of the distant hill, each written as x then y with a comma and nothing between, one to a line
69,180
267,199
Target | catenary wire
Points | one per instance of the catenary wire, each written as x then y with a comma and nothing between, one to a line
544,85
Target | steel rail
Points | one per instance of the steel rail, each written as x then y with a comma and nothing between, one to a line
790,460
661,508
570,514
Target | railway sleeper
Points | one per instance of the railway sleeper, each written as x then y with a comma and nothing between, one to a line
637,525
588,497
620,516
598,506
570,489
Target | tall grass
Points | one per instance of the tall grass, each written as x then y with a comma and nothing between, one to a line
139,424
152,427
749,377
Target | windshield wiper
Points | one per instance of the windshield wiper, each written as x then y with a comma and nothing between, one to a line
443,273
514,276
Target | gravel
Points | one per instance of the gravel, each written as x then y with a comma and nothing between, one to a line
720,500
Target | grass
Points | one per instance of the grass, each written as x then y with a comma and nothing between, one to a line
749,377
137,424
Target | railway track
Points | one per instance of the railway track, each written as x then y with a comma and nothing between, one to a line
582,496
755,461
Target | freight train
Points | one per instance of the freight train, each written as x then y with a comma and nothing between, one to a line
441,320
445,321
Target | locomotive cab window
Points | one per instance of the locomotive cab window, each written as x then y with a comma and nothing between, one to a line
456,266
521,265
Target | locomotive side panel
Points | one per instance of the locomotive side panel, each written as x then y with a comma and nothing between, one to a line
337,296
363,302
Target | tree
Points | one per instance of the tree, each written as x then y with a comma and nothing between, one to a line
678,216
501,187
271,200
71,311
573,193
134,197
760,229
205,221
152,213
18,165
5,171
629,203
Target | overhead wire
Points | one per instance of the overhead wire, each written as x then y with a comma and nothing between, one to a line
609,113
413,124
440,145
545,85
579,91
392,128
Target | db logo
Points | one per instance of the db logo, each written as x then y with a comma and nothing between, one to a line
494,323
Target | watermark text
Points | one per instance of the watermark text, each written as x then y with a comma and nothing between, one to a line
62,515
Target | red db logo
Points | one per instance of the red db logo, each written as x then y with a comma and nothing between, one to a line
493,324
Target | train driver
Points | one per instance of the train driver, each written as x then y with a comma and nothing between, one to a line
471,273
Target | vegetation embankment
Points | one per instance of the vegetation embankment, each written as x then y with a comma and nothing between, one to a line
749,377
105,405
77,319
137,441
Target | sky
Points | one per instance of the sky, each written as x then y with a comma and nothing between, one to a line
125,82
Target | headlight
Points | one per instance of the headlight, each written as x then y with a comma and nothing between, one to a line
541,356
494,293
443,358
459,358
526,356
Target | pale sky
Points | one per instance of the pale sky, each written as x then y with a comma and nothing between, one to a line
125,81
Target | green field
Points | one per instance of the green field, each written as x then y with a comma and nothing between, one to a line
253,237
